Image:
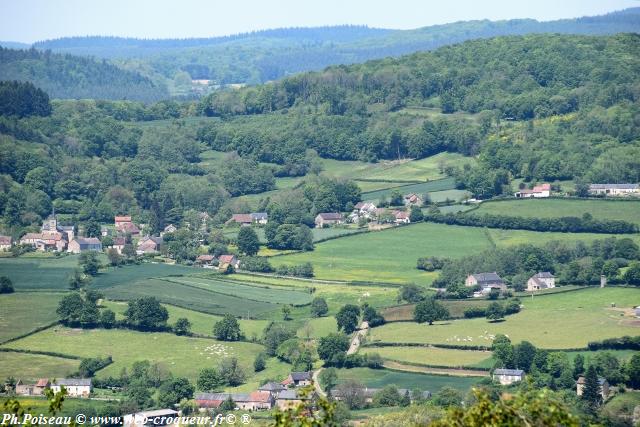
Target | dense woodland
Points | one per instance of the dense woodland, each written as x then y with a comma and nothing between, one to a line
539,107
272,54
76,77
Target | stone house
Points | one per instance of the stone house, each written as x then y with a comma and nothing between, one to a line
5,243
539,191
602,382
508,376
328,218
83,244
539,281
76,387
614,189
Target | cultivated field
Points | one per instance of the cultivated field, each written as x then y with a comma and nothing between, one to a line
30,273
456,309
22,312
562,321
434,356
183,356
188,297
378,378
554,208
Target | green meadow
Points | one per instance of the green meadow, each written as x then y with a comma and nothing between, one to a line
378,378
34,274
30,367
22,312
560,321
625,210
434,356
201,323
420,189
390,255
183,356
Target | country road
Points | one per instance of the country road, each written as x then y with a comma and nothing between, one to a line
355,342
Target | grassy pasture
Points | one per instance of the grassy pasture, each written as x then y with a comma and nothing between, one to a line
183,356
71,406
627,210
518,237
434,356
421,170
378,378
22,312
33,366
420,189
568,320
389,255
335,294
318,233
456,309
318,327
201,323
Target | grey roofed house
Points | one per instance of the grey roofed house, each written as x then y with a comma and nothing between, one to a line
510,372
487,278
613,186
272,387
70,382
301,376
330,216
543,275
290,394
258,216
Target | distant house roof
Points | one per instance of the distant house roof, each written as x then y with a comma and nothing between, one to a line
330,216
290,394
227,259
359,205
509,372
301,376
119,241
272,386
400,215
43,382
5,240
242,218
122,219
206,258
613,187
543,275
483,278
257,216
601,381
259,396
74,382
412,198
170,228
87,241
128,227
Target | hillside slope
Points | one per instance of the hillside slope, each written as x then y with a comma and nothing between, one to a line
76,77
268,55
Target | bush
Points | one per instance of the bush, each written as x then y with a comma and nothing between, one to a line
257,264
472,312
319,307
430,264
6,286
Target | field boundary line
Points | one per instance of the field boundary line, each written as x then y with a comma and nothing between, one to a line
229,294
34,331
43,353
451,372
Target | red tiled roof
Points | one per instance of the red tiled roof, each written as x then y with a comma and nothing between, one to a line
260,396
42,382
226,259
5,240
122,219
205,258
242,218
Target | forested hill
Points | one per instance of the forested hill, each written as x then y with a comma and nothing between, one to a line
268,55
76,77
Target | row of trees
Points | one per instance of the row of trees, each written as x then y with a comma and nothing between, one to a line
586,224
